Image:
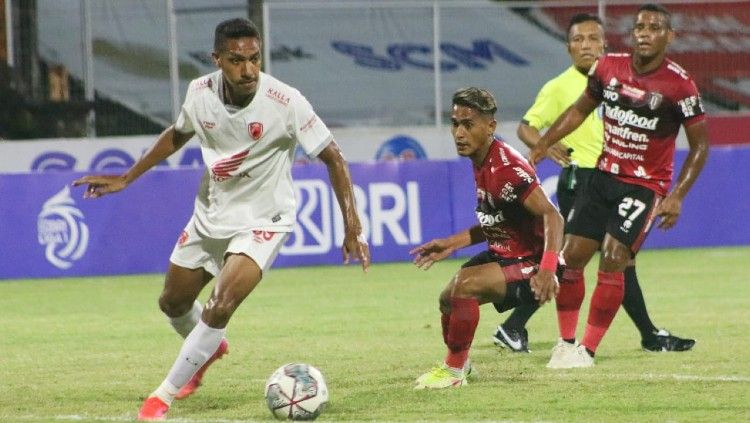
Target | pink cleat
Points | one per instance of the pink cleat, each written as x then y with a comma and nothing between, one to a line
153,409
195,381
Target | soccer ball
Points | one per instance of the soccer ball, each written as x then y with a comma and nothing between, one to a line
296,391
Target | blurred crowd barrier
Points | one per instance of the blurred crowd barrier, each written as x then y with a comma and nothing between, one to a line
360,63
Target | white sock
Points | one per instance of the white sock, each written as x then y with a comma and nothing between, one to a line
185,323
454,371
198,347
166,392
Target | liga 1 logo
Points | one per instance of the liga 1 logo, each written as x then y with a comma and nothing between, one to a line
60,228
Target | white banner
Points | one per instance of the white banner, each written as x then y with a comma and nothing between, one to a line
358,144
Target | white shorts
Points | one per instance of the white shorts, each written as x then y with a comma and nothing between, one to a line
194,250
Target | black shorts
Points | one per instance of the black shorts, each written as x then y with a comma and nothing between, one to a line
565,195
517,291
609,206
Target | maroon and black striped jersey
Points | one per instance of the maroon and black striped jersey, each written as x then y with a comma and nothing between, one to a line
504,181
642,115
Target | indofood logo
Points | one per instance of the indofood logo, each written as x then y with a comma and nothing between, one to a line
61,229
628,117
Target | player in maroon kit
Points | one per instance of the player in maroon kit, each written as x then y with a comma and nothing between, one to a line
646,98
522,228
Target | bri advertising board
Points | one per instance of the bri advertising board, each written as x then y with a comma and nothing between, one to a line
55,232
48,230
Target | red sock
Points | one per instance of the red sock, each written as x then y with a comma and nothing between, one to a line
568,302
606,300
444,321
462,324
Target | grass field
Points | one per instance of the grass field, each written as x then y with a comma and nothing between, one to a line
90,349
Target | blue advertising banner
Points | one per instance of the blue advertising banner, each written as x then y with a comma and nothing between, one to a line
48,230
713,214
401,204
717,207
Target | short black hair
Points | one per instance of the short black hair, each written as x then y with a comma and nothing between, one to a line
234,28
477,99
580,18
653,7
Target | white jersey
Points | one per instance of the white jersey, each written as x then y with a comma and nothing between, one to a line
249,154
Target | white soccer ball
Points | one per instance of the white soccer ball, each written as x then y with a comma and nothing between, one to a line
296,391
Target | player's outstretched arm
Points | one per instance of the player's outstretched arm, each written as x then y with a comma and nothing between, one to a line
544,283
168,142
531,136
571,119
670,208
433,251
355,246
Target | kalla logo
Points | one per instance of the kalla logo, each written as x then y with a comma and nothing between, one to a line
61,229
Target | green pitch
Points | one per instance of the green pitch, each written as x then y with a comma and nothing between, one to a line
90,349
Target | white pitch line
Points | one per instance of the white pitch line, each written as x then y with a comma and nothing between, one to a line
700,378
124,418
576,373
68,418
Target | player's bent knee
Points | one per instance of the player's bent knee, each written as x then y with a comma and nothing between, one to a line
468,283
578,251
444,304
614,260
465,287
575,260
174,307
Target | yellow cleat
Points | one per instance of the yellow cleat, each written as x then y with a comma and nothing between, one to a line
441,377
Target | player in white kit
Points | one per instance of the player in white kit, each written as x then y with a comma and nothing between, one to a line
249,124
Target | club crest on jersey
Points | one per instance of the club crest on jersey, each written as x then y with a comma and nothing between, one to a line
255,129
654,100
